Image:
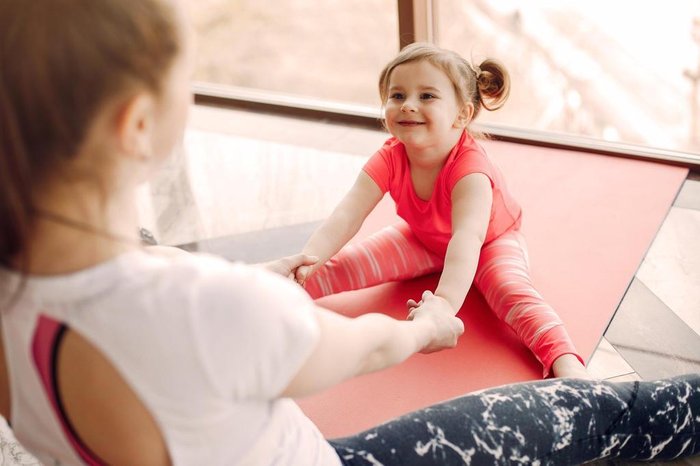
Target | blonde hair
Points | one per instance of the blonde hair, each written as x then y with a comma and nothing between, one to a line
487,85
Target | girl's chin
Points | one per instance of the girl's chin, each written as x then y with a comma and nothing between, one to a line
408,139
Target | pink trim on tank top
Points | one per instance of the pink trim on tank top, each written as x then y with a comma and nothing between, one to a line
43,353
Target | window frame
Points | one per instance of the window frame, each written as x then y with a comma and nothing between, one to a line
417,21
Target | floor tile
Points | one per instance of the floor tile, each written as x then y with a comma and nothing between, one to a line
606,362
651,338
689,196
671,268
631,377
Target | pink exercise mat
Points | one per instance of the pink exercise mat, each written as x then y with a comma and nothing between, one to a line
588,220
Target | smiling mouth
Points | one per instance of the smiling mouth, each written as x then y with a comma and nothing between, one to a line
411,123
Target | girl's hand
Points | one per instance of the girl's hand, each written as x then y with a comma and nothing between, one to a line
439,312
287,266
412,304
302,273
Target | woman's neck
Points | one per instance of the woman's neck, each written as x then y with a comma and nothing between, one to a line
75,228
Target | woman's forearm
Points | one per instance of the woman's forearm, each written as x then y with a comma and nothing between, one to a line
395,341
351,347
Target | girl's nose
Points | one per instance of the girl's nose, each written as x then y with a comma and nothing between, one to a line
408,106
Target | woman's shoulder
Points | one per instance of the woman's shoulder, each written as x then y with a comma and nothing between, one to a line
197,272
158,283
197,298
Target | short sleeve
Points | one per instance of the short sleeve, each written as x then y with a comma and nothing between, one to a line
379,167
254,329
465,163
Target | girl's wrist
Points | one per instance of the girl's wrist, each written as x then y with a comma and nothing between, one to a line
447,302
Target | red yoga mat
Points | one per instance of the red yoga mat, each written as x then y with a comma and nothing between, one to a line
588,220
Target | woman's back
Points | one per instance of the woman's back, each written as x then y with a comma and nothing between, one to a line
193,347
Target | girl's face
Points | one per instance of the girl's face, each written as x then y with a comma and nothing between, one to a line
422,110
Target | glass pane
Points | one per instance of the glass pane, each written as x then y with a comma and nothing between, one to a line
613,70
330,50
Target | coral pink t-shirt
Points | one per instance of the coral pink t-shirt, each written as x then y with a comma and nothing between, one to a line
431,220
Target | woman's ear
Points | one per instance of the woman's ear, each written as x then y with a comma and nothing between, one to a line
134,127
464,116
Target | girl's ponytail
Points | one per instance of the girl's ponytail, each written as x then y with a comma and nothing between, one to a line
493,84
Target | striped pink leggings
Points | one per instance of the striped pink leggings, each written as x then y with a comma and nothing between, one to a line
502,277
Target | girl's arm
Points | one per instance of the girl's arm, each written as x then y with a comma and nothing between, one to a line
350,347
342,224
471,211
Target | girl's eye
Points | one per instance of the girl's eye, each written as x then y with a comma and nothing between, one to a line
396,96
427,96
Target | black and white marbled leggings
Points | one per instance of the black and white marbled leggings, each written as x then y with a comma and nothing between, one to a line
548,422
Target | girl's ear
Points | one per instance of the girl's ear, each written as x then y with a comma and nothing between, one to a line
134,127
464,116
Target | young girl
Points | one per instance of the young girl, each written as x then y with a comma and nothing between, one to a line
460,217
111,354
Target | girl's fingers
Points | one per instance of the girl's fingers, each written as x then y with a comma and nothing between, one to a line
412,304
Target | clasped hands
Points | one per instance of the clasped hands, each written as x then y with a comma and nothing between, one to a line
448,327
288,266
436,310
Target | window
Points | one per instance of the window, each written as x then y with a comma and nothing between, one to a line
611,70
330,50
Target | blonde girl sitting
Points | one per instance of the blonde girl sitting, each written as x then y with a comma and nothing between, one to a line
459,216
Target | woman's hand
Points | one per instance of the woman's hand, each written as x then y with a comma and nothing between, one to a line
287,266
439,312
